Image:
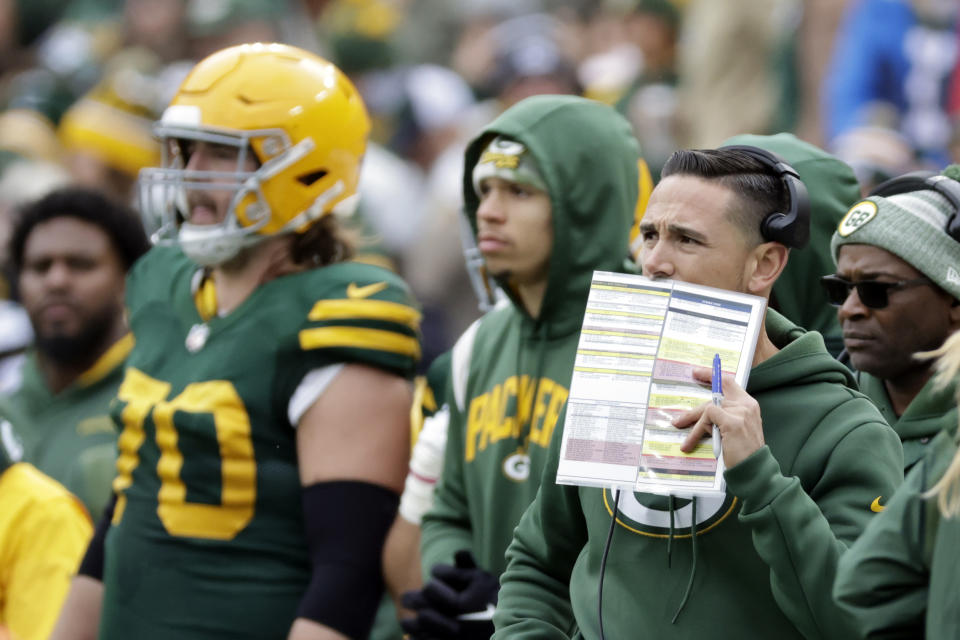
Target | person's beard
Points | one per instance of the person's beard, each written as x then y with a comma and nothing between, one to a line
84,347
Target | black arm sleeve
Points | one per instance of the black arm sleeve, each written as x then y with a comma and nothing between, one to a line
92,564
346,524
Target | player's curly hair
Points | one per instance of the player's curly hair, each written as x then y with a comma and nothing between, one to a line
325,242
947,489
120,223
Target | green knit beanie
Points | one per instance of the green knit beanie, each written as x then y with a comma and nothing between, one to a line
911,226
507,159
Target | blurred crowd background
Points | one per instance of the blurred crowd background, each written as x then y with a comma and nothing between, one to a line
875,82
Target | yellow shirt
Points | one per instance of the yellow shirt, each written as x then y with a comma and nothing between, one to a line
44,531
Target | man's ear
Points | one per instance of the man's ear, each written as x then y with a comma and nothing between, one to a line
764,266
954,312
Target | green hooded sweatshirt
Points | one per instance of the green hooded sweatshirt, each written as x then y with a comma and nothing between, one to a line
517,376
931,411
756,563
902,577
832,188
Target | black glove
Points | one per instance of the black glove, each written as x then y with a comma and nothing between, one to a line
458,602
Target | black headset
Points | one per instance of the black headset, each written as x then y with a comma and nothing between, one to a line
923,180
793,227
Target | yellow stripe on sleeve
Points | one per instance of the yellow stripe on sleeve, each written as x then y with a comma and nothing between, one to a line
346,309
359,338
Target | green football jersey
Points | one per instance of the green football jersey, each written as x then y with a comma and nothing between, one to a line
207,539
69,435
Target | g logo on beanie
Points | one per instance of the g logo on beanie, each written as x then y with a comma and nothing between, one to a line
859,215
509,160
911,225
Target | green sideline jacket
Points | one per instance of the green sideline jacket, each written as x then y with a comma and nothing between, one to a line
757,563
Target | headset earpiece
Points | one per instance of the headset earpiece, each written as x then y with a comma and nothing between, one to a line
793,227
926,180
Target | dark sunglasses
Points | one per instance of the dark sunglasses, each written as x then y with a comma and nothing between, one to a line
872,293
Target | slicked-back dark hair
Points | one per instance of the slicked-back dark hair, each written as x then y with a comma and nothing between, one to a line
120,223
758,192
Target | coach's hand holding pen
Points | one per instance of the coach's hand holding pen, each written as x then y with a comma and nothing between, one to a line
736,424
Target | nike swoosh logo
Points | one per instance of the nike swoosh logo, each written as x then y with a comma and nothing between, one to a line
486,614
875,506
357,293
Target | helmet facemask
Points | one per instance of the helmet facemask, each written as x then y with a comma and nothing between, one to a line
164,192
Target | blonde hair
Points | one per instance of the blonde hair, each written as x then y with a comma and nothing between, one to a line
947,489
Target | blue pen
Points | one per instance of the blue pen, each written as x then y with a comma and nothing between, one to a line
717,387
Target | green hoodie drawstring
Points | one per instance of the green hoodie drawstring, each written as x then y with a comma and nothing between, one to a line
538,371
693,567
540,357
524,437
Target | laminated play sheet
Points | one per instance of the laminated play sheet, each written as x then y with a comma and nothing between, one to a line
639,343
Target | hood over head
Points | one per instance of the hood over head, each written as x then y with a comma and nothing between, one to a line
801,359
587,156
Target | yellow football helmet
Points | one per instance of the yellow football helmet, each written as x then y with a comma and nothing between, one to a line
300,117
116,136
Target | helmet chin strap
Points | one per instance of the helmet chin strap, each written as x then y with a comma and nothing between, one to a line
208,245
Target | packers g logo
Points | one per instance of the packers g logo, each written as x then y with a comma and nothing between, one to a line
649,515
517,466
859,215
500,160
503,153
